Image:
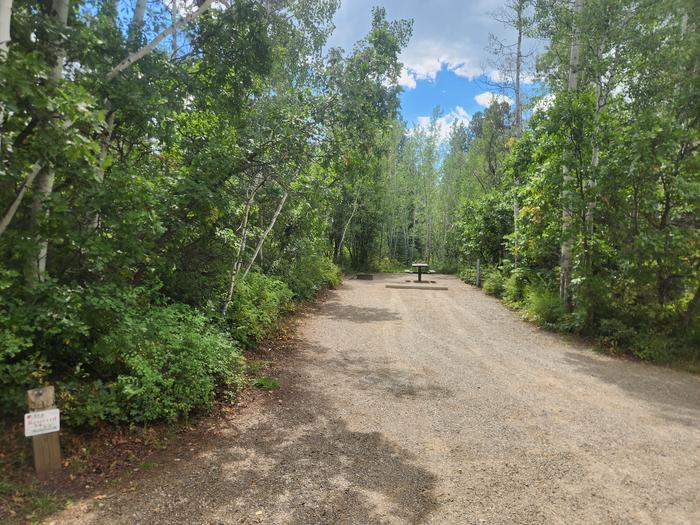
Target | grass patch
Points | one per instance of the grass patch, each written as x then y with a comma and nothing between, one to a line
266,383
148,465
27,504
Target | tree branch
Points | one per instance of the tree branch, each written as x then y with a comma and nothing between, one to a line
148,48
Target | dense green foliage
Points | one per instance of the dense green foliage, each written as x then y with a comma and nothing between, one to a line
606,169
160,216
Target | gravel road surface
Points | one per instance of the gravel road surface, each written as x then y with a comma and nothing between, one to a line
432,406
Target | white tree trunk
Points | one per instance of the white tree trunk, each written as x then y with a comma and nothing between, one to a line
339,251
10,213
565,260
36,265
518,69
5,39
267,232
518,123
5,17
153,44
106,139
34,171
600,102
236,267
238,261
136,27
173,22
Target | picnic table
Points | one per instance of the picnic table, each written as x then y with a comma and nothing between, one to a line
420,268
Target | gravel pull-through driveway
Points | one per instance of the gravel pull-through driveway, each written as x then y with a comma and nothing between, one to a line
433,406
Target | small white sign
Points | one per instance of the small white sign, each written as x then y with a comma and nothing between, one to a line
42,422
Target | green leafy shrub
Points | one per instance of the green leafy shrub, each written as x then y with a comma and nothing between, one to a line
468,275
258,302
614,334
387,265
161,363
543,305
494,282
19,368
310,273
50,333
514,287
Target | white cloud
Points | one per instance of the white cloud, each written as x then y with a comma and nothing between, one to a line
407,79
446,33
444,124
487,97
429,56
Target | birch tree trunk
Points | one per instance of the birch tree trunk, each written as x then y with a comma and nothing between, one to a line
136,26
36,263
5,39
238,261
101,160
153,44
518,122
7,218
339,251
236,267
565,259
173,22
5,17
601,100
267,232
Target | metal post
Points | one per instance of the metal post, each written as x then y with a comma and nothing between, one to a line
478,273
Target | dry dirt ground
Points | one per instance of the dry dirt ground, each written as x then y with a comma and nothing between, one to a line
427,406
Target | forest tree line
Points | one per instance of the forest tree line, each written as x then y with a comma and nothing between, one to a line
585,214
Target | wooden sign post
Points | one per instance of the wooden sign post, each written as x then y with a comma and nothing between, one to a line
42,424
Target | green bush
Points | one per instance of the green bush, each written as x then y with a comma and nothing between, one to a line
20,369
258,302
310,273
449,267
49,333
493,282
543,305
468,275
159,364
514,287
614,334
387,265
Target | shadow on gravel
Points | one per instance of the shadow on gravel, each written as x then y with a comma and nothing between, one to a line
309,464
376,375
356,314
299,463
675,394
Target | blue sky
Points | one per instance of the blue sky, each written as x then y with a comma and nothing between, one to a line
446,62
458,97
